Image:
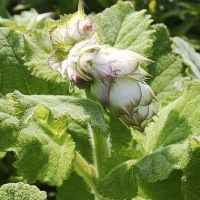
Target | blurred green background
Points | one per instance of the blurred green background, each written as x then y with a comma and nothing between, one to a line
181,16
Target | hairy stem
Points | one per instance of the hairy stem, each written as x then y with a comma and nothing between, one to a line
86,171
101,150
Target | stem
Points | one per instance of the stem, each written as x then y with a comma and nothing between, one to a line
86,171
101,150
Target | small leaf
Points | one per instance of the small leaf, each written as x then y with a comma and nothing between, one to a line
19,191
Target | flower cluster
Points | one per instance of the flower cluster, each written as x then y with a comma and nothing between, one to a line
115,76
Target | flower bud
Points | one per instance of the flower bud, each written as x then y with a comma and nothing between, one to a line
72,75
100,91
104,62
76,29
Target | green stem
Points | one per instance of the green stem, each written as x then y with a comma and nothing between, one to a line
101,150
86,171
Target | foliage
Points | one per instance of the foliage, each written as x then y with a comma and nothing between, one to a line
71,146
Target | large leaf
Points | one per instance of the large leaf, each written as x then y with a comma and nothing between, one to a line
14,75
121,26
62,107
34,127
43,149
190,57
19,191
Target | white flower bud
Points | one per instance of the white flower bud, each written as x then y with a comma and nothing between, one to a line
100,91
125,95
104,62
76,29
139,116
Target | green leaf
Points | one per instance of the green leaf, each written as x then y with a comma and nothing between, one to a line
176,122
120,134
36,125
162,190
3,8
37,51
191,178
167,70
119,183
43,149
62,107
190,57
29,20
13,74
122,27
20,191
159,164
74,188
168,145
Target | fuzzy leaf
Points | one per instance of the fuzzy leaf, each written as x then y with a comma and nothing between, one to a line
36,125
123,27
167,77
13,74
119,183
37,51
177,121
190,57
87,111
43,149
70,187
191,178
21,191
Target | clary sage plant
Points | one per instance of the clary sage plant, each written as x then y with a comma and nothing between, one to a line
115,76
82,100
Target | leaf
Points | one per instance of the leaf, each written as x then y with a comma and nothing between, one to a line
13,74
119,183
3,8
191,178
122,27
74,188
37,51
167,70
29,20
190,57
168,145
120,134
43,149
19,191
159,164
36,125
62,107
176,122
162,190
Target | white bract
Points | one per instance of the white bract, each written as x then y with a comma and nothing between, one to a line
78,28
115,76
